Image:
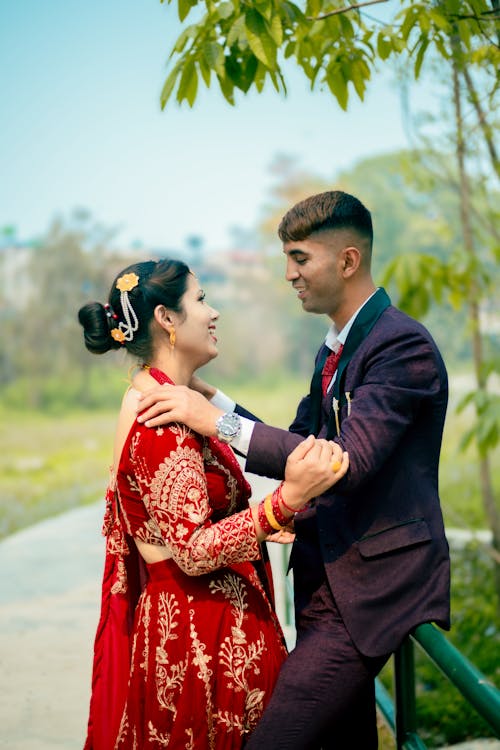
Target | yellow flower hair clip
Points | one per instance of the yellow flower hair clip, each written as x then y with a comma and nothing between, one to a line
118,335
126,330
127,282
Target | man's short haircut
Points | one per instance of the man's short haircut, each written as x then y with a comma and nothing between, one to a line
331,210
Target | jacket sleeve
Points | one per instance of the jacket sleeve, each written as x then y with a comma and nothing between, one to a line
169,478
403,377
269,449
404,385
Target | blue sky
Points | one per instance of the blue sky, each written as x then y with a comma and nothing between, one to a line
82,126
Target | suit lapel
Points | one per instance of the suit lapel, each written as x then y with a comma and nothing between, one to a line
366,319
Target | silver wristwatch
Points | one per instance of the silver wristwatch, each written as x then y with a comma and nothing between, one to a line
228,427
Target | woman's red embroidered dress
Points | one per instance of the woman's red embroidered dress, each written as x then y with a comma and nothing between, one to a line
187,650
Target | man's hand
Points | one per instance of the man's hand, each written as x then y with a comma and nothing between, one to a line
311,468
177,403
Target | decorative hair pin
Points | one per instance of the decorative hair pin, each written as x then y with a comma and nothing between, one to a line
126,330
112,317
110,314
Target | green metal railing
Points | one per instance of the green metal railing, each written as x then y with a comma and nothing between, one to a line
401,715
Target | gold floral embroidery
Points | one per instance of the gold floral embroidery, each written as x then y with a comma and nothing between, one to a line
124,729
232,492
168,677
154,735
146,621
201,660
240,657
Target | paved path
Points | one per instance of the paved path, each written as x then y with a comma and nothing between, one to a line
49,601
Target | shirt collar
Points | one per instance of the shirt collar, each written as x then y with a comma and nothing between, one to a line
335,338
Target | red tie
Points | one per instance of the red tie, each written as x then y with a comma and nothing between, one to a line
329,368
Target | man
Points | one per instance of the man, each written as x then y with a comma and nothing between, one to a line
370,557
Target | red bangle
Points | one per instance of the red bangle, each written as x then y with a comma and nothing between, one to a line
264,523
292,510
279,495
277,512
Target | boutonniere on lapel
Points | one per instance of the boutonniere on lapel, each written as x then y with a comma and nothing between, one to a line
336,410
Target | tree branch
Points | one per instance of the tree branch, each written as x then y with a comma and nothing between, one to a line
344,10
483,123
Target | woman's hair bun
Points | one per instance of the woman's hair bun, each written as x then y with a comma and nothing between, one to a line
94,321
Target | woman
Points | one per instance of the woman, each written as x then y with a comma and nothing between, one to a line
188,647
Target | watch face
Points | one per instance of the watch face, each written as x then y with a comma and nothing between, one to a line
228,427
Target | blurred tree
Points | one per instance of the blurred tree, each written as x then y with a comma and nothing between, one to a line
462,155
68,268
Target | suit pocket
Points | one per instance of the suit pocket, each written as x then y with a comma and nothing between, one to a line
395,538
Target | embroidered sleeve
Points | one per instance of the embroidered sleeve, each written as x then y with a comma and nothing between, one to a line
169,474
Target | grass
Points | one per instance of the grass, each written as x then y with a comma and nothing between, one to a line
51,463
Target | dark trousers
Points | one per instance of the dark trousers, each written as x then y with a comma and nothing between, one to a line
325,695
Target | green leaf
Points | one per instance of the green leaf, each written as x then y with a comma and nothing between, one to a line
188,33
188,85
265,8
293,14
237,32
241,72
465,401
205,71
420,55
441,46
184,6
424,22
384,46
275,29
439,20
225,10
260,77
214,56
259,40
227,89
411,18
338,86
314,7
358,79
168,86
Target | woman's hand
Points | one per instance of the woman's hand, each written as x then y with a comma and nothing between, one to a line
285,536
177,403
313,467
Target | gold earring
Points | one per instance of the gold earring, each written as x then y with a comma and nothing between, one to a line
172,338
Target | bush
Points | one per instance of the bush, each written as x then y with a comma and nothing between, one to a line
443,716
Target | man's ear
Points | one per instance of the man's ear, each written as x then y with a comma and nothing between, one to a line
350,261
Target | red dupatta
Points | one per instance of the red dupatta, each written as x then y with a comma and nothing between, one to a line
123,580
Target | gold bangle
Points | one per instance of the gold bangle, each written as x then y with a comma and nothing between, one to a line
268,509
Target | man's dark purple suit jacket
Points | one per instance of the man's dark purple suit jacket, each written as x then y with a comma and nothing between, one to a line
380,528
